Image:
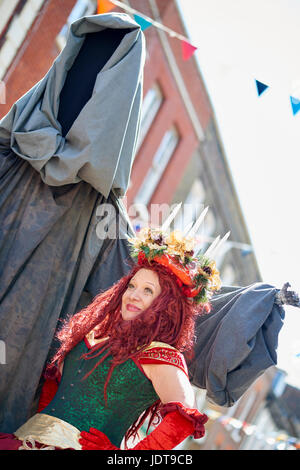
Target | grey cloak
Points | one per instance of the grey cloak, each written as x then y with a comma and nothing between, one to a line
55,176
66,149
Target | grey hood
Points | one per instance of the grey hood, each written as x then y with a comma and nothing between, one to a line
100,146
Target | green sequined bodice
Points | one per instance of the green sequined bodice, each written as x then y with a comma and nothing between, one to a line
81,402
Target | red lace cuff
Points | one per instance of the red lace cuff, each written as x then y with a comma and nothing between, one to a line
191,414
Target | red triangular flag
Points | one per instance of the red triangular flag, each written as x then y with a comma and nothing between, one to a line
187,50
103,6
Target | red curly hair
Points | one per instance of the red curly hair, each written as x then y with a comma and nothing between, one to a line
169,319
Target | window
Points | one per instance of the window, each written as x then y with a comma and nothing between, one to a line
17,28
197,192
228,275
81,8
194,204
192,207
6,10
248,404
279,383
159,163
150,107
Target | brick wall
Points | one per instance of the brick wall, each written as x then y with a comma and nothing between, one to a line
37,52
173,110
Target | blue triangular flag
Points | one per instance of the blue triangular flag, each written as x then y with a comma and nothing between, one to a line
295,102
261,87
144,24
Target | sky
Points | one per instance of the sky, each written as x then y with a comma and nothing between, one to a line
238,42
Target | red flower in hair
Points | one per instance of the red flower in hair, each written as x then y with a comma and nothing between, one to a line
190,292
141,257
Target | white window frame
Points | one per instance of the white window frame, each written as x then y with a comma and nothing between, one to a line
159,163
7,8
80,9
16,33
150,106
193,206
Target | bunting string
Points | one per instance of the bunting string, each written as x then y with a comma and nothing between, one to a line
187,49
149,21
145,22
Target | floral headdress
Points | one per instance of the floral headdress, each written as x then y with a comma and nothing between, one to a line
196,273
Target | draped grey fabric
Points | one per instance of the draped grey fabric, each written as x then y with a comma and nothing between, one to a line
98,148
237,341
52,262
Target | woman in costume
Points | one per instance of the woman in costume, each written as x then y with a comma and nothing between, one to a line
122,359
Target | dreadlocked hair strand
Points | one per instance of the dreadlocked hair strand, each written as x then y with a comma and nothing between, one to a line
170,319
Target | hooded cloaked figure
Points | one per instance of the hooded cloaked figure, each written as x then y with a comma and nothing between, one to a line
66,152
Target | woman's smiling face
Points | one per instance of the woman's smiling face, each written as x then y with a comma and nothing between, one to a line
142,289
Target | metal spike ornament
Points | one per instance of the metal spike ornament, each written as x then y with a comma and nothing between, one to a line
212,246
216,245
171,217
187,228
195,273
192,232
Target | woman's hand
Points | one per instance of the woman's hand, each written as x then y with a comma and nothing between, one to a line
95,440
178,423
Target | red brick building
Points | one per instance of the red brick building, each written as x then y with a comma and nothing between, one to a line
184,108
180,156
28,43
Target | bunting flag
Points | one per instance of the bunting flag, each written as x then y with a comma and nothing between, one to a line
104,6
295,105
279,440
295,102
187,49
144,24
261,87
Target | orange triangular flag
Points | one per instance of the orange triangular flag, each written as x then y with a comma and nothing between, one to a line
187,50
104,6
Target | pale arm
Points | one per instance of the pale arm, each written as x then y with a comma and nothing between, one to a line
171,384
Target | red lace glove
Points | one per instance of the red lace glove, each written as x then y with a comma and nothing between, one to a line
95,440
178,423
53,378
